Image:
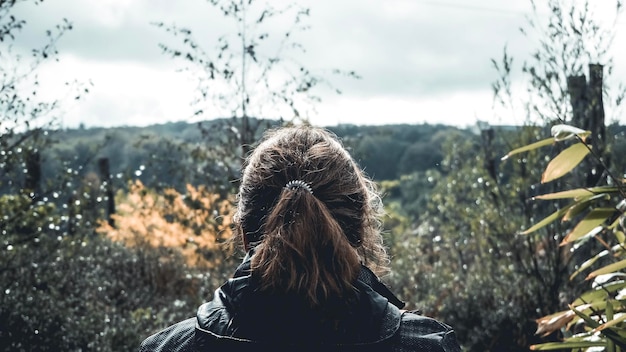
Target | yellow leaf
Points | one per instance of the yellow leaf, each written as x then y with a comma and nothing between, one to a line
611,268
529,147
565,162
582,204
550,218
577,193
595,218
611,323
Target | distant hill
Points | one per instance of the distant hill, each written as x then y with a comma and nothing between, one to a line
176,153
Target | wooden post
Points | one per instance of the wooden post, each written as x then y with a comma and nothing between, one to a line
596,108
487,134
588,114
105,176
577,86
32,182
71,223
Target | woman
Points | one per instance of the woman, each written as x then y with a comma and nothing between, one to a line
308,219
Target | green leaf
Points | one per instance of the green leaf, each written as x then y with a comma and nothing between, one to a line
595,218
582,204
608,269
550,218
594,324
612,226
609,333
620,236
565,162
529,147
589,262
609,312
611,320
549,346
577,193
599,294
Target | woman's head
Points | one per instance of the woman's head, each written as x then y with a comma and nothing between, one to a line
311,236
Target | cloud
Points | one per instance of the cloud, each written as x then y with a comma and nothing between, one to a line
415,57
399,46
122,93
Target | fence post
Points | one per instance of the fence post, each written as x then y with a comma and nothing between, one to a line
105,176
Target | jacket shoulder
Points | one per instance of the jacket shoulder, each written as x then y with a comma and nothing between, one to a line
176,338
420,333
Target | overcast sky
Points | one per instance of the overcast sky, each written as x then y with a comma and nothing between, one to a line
420,61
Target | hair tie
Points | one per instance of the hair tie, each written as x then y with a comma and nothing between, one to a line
295,184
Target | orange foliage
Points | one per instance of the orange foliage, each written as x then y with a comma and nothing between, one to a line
197,224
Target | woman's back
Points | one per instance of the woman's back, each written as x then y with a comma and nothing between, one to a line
242,318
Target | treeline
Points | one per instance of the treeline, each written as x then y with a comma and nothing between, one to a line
168,155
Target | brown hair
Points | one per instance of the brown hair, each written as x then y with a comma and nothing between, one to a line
311,243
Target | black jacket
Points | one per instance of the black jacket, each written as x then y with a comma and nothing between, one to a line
242,318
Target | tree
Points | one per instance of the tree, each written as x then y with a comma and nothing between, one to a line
252,74
24,117
197,224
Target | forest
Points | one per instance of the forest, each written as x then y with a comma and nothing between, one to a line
514,235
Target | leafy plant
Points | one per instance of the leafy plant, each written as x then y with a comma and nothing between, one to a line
596,318
195,225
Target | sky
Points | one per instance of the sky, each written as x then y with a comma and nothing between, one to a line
419,61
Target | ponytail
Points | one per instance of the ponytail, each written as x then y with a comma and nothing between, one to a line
304,249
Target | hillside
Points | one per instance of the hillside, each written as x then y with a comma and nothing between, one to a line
173,154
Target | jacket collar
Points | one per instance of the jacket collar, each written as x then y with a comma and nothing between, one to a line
239,313
365,275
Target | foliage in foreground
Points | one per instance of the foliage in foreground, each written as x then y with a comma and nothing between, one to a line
459,261
595,319
83,291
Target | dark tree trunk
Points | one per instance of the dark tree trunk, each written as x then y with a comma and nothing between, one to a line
32,182
105,176
588,114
